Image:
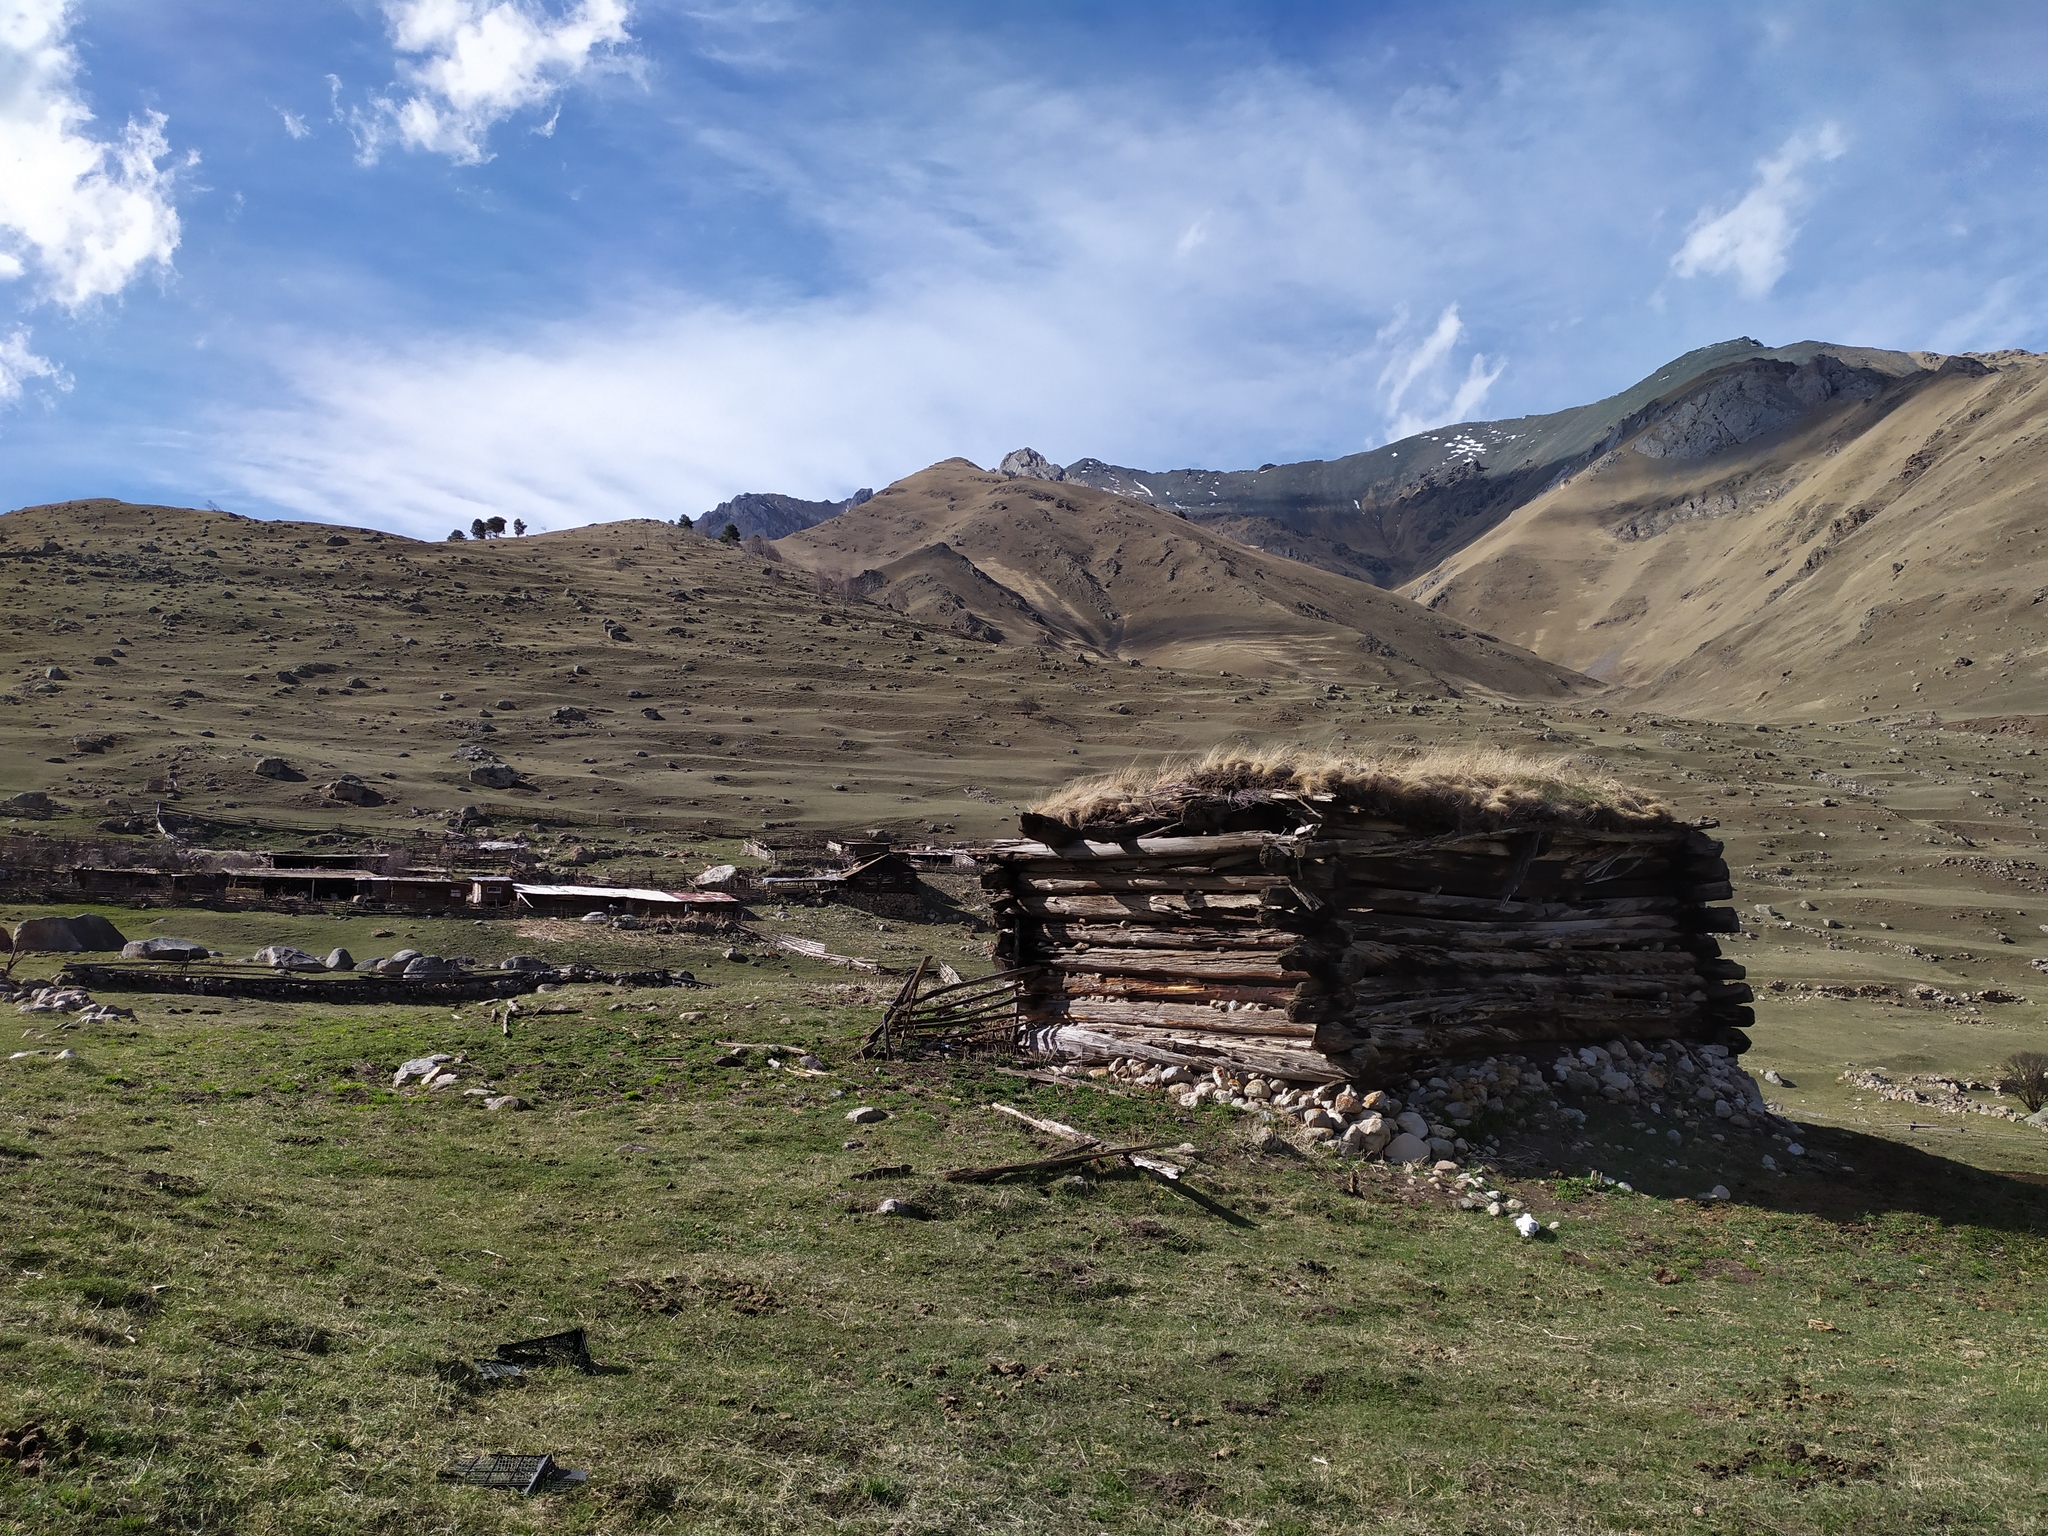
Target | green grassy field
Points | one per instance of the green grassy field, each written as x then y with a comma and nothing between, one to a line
235,1258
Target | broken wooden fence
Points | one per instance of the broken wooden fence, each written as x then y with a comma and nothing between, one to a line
980,1012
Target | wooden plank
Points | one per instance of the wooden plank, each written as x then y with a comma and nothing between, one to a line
1092,1042
1084,885
1221,907
1140,847
1256,966
1150,937
1422,904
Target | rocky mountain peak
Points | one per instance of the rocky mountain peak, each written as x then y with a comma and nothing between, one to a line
1030,464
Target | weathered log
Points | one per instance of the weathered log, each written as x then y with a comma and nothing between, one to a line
1476,935
1087,883
1158,905
1053,935
1716,890
1198,992
1252,1022
1094,1042
1431,965
1422,904
1203,848
1257,965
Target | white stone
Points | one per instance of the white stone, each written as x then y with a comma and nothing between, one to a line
420,1067
893,1208
1412,1124
1719,1192
1527,1225
866,1114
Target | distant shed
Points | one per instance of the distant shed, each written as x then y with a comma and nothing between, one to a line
885,884
1319,920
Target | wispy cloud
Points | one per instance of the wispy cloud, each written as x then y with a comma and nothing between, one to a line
18,365
468,65
294,125
80,216
1753,239
1420,386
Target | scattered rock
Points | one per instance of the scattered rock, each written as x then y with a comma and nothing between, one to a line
419,1069
275,768
31,805
507,1101
286,958
340,960
494,775
895,1208
866,1114
1528,1226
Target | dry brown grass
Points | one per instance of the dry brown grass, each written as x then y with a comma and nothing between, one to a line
1462,786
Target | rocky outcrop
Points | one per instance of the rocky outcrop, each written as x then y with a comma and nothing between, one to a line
766,515
1030,464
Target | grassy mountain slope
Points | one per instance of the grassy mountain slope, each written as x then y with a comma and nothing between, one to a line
1069,565
719,690
1881,551
1387,515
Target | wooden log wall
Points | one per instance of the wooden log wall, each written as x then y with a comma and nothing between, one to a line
1361,948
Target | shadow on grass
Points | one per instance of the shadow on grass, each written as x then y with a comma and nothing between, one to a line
1891,1177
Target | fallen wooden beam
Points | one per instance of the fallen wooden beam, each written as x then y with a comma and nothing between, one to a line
1044,1165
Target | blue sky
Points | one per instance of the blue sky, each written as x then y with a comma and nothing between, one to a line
406,262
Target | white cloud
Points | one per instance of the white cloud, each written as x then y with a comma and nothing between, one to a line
294,124
18,365
1753,239
84,215
1421,370
467,65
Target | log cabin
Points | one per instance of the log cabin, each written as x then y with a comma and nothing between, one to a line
1323,919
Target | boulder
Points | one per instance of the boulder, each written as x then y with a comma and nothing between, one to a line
494,775
340,960
1407,1148
6,942
274,768
371,967
567,714
716,877
427,965
524,963
350,790
95,934
49,935
286,958
31,805
183,951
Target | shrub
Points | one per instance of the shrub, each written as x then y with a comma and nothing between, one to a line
2025,1077
457,536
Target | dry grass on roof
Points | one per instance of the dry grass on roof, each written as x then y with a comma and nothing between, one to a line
1463,787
